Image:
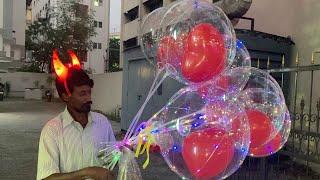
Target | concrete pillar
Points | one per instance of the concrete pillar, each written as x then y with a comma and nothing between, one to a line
1,24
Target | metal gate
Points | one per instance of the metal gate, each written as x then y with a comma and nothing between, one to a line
300,158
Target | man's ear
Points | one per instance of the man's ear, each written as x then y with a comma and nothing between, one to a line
65,97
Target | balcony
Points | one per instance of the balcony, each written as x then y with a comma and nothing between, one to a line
129,4
131,29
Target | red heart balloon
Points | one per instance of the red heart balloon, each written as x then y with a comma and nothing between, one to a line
260,127
207,153
267,149
205,54
168,51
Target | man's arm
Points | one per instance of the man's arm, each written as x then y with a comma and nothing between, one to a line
48,156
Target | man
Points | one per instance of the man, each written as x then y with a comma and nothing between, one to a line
69,143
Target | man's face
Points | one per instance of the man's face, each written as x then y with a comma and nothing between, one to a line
80,99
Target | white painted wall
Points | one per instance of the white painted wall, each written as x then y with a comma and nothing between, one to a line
107,91
272,16
97,56
1,24
7,49
19,21
1,13
21,80
18,53
1,42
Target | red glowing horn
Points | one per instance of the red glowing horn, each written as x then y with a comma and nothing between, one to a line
75,60
59,68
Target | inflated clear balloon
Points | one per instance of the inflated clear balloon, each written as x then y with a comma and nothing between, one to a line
242,57
265,106
232,80
209,137
276,143
150,33
199,41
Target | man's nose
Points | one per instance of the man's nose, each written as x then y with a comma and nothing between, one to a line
88,98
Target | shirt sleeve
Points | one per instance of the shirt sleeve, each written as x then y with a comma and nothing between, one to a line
48,157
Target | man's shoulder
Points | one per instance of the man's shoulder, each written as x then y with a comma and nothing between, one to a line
53,124
100,117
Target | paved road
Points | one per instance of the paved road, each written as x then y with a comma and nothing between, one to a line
20,125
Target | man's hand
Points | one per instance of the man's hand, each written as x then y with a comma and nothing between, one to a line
98,173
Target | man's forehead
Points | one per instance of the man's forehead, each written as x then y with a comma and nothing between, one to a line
82,88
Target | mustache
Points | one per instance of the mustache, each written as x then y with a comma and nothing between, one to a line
88,103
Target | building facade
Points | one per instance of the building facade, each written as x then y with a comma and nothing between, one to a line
12,34
97,57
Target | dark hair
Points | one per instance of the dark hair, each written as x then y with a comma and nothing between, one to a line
76,77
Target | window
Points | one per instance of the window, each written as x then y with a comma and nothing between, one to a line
133,42
95,24
95,45
12,54
100,24
132,14
99,45
152,5
97,2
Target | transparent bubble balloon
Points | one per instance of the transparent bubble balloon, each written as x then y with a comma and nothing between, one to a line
233,80
265,106
202,138
198,40
276,143
150,33
242,57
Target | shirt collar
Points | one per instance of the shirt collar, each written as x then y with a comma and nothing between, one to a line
67,119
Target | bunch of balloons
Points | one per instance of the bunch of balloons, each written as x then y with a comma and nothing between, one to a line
227,111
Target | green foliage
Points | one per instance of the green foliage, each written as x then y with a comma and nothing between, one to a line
67,26
114,55
112,116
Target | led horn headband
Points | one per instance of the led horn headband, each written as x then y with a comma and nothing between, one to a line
61,70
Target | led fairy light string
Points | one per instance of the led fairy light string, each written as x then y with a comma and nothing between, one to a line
168,126
143,140
171,100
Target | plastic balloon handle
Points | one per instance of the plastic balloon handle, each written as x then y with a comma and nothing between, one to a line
152,90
